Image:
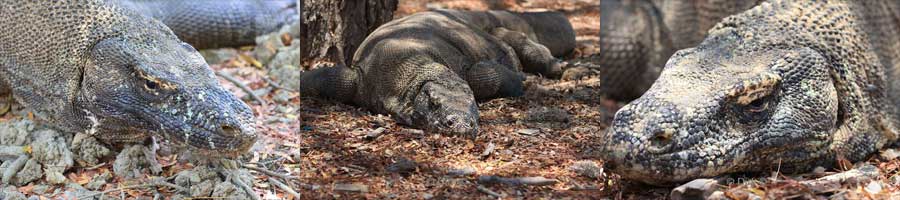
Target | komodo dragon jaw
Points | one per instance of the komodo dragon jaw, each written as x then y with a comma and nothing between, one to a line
732,104
134,88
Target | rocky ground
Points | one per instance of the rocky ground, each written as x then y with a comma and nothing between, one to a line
535,146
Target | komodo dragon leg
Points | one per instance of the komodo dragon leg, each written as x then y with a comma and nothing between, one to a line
535,58
336,83
6,98
489,79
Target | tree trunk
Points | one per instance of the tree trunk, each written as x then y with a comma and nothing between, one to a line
333,29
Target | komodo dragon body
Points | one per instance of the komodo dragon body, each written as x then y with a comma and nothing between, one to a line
91,66
217,23
638,36
428,69
787,85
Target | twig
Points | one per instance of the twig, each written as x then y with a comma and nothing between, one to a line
862,174
536,180
284,187
152,183
13,152
374,134
489,191
270,173
276,85
243,87
249,190
488,150
176,187
14,168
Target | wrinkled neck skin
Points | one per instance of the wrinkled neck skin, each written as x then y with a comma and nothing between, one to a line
761,93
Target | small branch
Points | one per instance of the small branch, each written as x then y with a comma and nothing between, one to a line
14,168
861,174
173,186
489,191
13,152
270,173
152,183
537,180
249,190
284,187
374,134
243,87
276,85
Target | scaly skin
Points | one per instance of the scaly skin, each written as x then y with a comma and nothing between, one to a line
209,24
789,84
91,66
428,69
638,36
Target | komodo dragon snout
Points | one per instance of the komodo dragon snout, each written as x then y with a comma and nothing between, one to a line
727,106
133,88
446,108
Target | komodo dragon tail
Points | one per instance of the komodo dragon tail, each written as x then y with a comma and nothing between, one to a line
218,23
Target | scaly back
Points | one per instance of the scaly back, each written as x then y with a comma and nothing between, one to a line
43,43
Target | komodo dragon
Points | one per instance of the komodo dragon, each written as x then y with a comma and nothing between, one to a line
91,66
787,85
638,36
218,23
428,69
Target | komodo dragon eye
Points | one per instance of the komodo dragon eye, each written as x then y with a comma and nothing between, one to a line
154,89
757,105
753,99
151,85
756,110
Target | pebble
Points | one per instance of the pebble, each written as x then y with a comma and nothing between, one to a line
696,189
529,131
463,171
351,188
403,165
548,114
874,187
587,168
890,154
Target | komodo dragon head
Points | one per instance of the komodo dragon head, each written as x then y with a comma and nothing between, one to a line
735,103
142,81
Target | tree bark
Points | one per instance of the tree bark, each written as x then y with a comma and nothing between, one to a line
333,29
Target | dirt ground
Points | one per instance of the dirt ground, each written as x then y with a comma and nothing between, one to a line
337,151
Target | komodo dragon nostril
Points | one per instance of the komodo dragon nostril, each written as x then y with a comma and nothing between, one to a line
230,130
660,138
